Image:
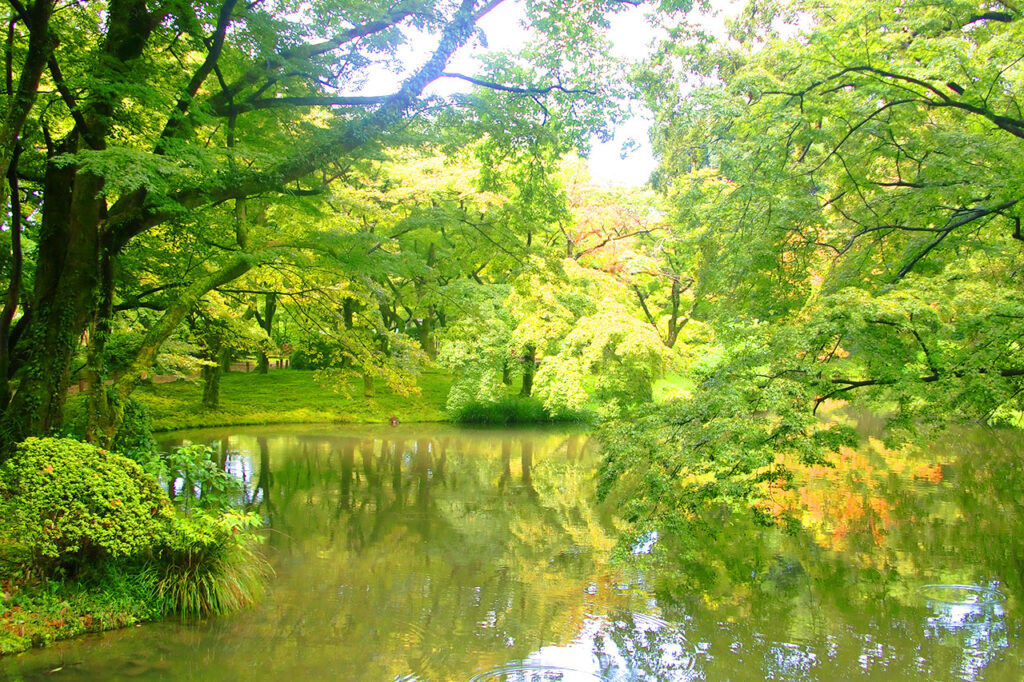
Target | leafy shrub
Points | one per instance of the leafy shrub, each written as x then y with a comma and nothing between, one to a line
134,439
210,564
68,502
513,410
203,483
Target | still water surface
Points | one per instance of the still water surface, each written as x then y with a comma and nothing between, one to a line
428,552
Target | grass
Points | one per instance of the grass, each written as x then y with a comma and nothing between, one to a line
57,610
672,386
290,396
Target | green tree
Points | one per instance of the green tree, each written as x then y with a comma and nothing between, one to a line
850,188
130,120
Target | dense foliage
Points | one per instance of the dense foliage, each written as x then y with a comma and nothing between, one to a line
69,504
86,532
845,180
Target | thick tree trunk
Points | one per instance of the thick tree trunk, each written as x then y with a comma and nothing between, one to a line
99,428
68,253
64,297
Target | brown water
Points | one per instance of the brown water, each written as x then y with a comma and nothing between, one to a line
428,552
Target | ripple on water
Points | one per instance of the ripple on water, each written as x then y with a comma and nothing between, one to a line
525,672
962,595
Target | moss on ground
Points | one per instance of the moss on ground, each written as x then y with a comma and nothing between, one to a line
290,396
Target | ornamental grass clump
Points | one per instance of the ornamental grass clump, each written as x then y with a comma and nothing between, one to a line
211,564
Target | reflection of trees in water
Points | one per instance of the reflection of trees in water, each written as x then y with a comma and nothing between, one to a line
444,550
950,513
633,646
431,548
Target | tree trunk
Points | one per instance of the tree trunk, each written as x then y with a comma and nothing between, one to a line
529,368
63,298
20,102
13,287
100,429
426,334
211,386
267,324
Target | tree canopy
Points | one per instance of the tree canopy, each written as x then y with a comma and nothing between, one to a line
845,177
157,151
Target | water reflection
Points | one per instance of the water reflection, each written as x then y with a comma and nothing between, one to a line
432,553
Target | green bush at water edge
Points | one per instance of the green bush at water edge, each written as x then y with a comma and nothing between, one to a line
89,541
513,409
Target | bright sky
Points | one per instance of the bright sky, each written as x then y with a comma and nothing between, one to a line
632,39
504,30
610,163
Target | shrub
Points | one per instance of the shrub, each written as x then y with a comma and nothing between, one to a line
210,564
135,437
203,483
513,410
67,502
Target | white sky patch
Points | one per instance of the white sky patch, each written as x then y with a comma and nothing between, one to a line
626,160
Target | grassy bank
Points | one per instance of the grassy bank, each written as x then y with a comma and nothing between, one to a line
290,396
61,610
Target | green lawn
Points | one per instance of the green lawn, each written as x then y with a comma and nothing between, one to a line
672,386
290,396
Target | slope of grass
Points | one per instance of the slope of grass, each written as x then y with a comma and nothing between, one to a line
290,396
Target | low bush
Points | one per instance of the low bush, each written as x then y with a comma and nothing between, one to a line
513,410
64,503
90,541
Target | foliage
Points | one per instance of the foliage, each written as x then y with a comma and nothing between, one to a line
210,564
70,503
514,409
105,597
228,155
89,541
196,479
838,249
135,437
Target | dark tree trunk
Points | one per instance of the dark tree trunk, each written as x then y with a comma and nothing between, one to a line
63,298
266,322
13,287
211,386
529,369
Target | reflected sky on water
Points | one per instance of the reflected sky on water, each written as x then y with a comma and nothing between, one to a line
429,552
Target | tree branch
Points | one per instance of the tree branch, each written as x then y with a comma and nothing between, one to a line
515,89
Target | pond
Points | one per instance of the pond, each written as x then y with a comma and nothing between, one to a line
430,552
